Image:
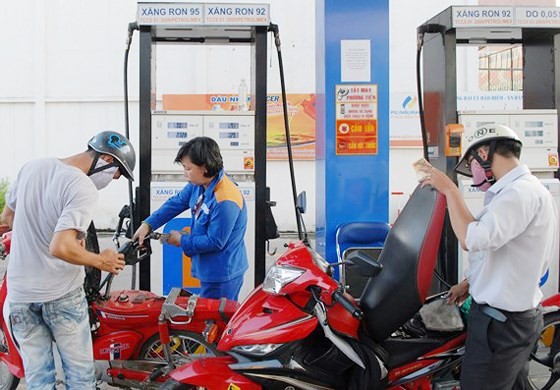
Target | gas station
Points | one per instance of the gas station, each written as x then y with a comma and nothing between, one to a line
352,120
206,69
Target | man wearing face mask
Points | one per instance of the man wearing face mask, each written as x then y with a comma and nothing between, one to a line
49,207
510,242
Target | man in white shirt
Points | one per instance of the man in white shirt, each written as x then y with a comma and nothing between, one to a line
49,207
510,242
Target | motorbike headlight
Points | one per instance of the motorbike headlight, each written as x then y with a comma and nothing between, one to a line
277,277
256,349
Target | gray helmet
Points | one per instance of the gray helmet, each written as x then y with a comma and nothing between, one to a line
118,146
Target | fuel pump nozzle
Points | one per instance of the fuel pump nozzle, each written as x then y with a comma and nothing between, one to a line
162,237
274,28
131,27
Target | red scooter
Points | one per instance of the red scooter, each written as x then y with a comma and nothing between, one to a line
137,336
300,330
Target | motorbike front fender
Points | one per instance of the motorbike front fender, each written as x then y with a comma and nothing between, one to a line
212,374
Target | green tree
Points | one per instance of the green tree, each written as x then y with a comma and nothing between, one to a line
4,185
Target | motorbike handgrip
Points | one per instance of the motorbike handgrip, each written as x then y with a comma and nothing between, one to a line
348,305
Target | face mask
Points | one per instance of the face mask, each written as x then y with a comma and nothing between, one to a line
479,176
102,178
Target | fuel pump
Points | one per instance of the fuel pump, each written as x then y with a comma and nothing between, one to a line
536,29
241,134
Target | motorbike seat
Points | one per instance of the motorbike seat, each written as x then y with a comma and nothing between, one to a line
408,257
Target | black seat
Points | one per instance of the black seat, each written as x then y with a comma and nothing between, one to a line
408,257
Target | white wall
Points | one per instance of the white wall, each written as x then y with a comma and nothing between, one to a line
61,82
61,79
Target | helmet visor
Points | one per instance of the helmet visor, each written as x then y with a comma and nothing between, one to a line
463,167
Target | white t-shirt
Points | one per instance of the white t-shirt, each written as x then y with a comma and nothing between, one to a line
511,242
47,196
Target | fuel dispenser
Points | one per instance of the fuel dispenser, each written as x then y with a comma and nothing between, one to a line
241,134
536,29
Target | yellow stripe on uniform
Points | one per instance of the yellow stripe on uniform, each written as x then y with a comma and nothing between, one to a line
227,190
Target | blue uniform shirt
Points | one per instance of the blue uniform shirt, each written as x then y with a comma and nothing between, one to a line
216,243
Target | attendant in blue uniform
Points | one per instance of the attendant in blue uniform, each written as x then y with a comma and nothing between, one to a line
219,219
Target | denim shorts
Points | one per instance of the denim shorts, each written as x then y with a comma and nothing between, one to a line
65,321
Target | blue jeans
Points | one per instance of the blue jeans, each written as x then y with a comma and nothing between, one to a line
64,320
229,289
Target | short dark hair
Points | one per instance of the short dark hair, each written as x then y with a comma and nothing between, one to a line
508,148
202,151
504,147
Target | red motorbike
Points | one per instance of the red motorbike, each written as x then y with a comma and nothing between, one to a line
137,336
301,330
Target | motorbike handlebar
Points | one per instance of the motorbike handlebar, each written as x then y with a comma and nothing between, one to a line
356,312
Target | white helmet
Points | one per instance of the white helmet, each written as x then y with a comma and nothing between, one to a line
487,135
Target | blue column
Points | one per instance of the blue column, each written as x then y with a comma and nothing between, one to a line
350,187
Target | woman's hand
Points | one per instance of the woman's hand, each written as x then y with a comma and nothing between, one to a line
175,238
141,233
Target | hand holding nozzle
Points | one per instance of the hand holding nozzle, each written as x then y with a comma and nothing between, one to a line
171,238
161,237
140,234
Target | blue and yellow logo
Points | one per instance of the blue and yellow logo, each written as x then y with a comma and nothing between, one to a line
409,103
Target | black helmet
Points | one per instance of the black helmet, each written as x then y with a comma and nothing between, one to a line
118,146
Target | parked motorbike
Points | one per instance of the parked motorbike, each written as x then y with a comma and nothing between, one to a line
138,336
301,330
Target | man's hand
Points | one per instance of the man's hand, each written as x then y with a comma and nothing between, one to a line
459,213
7,216
68,245
112,261
458,293
437,179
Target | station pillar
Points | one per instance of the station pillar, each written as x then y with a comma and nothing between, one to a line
352,106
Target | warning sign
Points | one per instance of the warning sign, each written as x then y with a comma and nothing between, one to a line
356,119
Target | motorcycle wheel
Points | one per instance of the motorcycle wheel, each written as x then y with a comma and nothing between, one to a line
8,381
185,347
544,372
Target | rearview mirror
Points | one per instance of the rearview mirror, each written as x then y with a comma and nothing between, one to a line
301,202
363,264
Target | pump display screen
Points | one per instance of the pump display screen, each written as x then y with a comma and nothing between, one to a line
176,134
534,133
229,125
229,134
534,124
177,125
